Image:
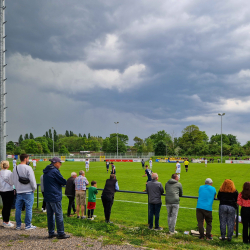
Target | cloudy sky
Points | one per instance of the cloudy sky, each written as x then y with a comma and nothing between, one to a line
151,65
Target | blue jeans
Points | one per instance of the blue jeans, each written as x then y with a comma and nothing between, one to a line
154,210
54,212
28,200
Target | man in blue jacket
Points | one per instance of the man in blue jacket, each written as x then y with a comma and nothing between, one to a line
53,182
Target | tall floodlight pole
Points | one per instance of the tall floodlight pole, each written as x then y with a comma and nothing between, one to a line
2,83
221,134
53,140
117,139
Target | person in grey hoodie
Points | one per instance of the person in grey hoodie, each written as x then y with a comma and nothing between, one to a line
154,190
173,191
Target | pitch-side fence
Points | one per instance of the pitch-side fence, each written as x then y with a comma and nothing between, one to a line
143,193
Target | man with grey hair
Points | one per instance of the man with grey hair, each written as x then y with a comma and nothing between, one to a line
173,193
207,194
154,190
70,193
80,187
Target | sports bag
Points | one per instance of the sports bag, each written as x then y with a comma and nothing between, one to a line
23,180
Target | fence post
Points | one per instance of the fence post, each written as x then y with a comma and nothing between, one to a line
148,209
37,192
237,221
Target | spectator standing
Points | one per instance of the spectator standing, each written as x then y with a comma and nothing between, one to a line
173,193
244,202
42,190
154,190
92,200
80,186
206,197
6,192
53,182
70,193
228,203
108,194
25,192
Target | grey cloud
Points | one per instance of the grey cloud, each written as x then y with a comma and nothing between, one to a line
189,49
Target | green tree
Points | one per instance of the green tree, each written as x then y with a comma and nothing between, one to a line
232,139
150,145
10,147
217,139
113,146
191,137
160,148
63,150
84,135
138,142
44,143
161,136
95,145
80,135
32,147
55,136
123,138
20,139
89,136
50,134
67,133
105,145
31,136
26,137
17,151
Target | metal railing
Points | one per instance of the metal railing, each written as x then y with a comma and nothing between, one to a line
144,193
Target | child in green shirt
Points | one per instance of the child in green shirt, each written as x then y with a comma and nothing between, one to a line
92,200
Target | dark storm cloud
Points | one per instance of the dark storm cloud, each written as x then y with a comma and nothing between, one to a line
162,63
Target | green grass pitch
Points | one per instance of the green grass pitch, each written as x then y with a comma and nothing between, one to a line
131,209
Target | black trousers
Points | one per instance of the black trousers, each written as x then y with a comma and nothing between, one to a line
107,205
7,198
245,216
44,203
71,204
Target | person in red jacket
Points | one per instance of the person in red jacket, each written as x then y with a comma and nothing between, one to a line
244,202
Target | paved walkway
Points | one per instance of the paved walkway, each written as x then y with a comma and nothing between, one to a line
37,239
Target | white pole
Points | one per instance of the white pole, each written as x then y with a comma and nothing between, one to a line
53,140
116,139
2,84
221,133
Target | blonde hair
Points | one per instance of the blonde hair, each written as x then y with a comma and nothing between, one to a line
4,164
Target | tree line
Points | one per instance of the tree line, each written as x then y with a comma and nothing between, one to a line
193,141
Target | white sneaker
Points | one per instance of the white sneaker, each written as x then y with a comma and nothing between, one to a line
44,210
30,227
175,232
8,224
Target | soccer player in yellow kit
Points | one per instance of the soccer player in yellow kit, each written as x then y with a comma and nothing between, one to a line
186,163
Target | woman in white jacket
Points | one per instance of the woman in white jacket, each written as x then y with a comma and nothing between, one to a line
6,192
